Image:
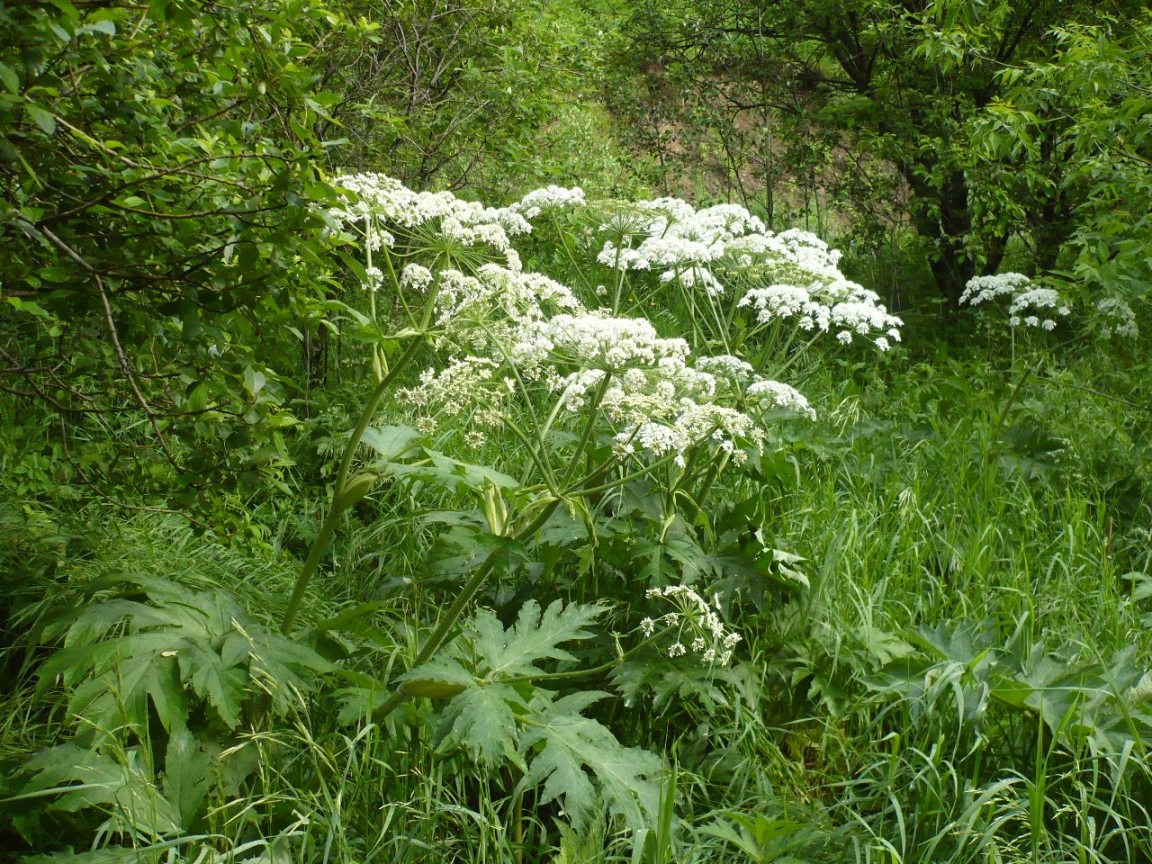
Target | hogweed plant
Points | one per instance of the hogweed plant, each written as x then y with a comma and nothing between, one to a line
574,449
1020,303
745,289
592,402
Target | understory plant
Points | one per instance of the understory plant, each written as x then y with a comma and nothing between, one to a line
596,409
595,478
583,459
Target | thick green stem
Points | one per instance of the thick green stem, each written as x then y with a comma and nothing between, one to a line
593,411
449,619
617,293
535,456
320,545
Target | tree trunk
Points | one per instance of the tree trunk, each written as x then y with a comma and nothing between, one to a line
941,216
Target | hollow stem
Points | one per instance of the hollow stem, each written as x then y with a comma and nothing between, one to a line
448,619
324,538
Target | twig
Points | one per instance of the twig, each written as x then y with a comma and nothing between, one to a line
115,502
122,357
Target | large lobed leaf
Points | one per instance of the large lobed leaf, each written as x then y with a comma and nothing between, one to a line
576,747
498,714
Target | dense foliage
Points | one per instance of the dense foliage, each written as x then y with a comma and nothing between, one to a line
982,119
346,518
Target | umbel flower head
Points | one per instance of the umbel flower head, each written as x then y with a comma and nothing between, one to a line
521,331
379,203
1028,305
694,626
1114,317
509,341
791,276
549,199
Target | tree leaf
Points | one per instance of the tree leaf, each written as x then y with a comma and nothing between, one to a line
41,118
9,78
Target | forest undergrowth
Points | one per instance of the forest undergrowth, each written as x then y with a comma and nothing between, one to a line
582,591
344,518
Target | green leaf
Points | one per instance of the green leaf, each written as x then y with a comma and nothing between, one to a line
482,720
221,685
29,306
457,476
186,771
575,747
41,118
9,78
535,636
392,442
167,693
254,381
671,684
437,679
108,28
77,778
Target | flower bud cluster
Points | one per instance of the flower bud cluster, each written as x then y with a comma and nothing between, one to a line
694,624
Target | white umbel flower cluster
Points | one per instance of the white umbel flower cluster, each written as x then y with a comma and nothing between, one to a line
842,307
452,390
774,394
1114,317
791,276
984,289
655,403
385,200
1028,306
681,241
694,625
549,199
600,341
415,277
508,338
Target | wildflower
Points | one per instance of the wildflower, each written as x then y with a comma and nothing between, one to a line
1116,318
547,199
709,249
374,278
415,277
725,366
778,395
982,289
1028,306
694,621
385,200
